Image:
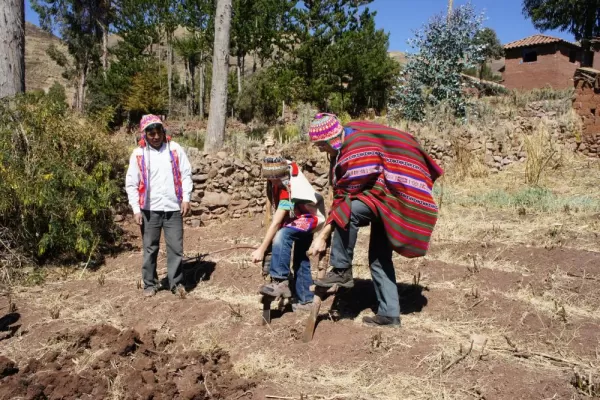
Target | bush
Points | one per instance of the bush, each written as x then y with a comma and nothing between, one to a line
263,94
59,177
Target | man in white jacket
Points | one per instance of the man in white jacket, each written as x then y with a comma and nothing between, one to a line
159,186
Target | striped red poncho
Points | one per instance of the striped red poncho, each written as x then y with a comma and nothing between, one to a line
388,171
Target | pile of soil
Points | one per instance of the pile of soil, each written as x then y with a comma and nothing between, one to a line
103,362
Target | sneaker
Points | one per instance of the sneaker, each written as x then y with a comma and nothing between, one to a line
304,307
337,276
380,320
149,291
276,289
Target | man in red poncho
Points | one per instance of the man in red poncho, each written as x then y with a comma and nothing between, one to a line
382,177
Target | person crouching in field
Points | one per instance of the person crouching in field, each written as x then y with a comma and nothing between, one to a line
380,176
296,216
159,186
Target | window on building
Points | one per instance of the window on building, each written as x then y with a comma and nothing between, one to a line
530,56
573,56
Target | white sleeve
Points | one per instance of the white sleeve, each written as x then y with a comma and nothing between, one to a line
132,180
186,175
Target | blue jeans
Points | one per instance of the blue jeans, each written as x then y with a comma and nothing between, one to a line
380,256
281,257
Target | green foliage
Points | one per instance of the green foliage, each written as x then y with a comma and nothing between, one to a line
57,94
148,93
446,47
579,17
59,176
491,48
263,94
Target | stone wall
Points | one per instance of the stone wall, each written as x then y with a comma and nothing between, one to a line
227,186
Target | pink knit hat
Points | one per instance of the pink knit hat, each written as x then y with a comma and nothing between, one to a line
324,127
150,119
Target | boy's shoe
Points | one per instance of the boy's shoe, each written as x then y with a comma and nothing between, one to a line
276,289
337,276
149,291
380,320
303,307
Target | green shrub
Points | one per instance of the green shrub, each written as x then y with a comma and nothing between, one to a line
59,177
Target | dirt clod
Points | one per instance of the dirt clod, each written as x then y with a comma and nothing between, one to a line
103,362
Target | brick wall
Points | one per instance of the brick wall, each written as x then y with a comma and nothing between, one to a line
552,68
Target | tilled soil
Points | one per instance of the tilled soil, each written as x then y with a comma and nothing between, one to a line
531,315
88,369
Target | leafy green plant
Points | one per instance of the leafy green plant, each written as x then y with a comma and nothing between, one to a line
446,47
59,177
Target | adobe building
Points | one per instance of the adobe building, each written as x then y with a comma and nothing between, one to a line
540,61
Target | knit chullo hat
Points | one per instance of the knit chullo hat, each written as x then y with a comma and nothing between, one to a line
275,168
326,128
149,120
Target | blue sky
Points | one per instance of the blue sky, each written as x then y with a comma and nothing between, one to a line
401,17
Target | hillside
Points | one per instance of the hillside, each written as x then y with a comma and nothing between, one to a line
40,70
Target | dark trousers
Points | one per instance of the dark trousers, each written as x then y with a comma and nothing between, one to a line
171,223
380,256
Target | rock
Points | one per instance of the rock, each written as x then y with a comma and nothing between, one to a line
321,182
239,205
255,193
7,367
197,196
118,218
497,158
195,223
222,155
219,211
226,171
199,178
214,200
238,164
212,173
255,172
205,217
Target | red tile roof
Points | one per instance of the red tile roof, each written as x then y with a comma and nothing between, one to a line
536,40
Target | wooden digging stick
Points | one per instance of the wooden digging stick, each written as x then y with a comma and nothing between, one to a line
309,329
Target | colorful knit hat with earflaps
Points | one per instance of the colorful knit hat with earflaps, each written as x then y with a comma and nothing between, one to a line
326,128
147,121
275,168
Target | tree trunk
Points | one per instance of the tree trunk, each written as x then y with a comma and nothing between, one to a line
192,65
170,69
187,87
12,47
450,2
239,79
218,94
81,89
201,92
104,29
